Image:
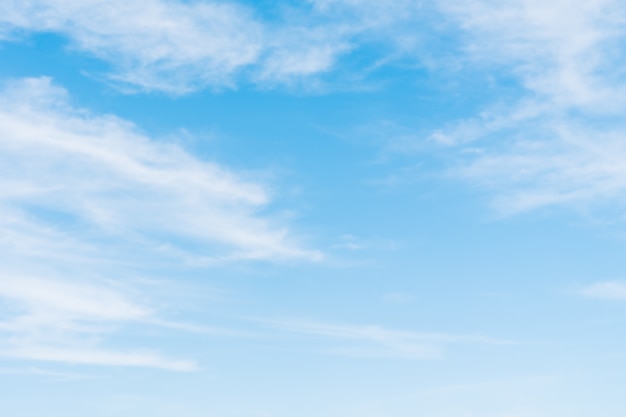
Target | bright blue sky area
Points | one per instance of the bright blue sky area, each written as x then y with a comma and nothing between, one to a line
313,208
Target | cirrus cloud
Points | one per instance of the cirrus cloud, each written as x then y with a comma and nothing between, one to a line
87,204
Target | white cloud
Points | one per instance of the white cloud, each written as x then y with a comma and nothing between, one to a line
87,201
378,341
154,44
563,52
65,320
558,140
562,141
178,47
99,357
566,164
48,299
104,179
611,290
299,52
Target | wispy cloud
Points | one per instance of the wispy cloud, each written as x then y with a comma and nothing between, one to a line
74,355
560,141
555,137
101,178
163,45
379,341
48,374
63,320
178,47
562,52
611,290
569,164
86,203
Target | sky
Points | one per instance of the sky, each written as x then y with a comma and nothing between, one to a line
312,208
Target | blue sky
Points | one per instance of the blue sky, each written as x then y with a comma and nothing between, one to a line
312,208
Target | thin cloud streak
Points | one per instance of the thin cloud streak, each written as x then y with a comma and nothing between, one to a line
99,357
379,341
610,290
62,321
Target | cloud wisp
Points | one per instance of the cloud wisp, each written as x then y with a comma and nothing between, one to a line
156,45
102,179
66,321
556,135
178,47
378,341
561,140
87,202
610,290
